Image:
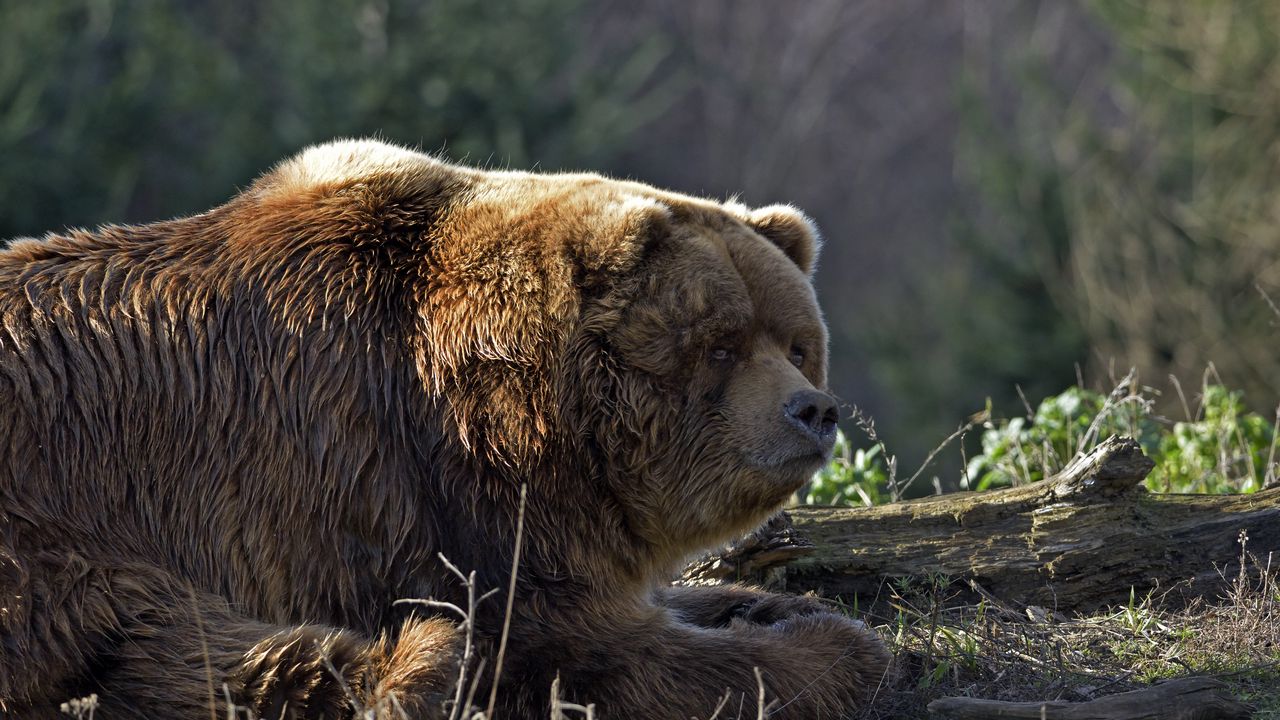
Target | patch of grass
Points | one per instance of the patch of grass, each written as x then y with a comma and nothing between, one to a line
997,649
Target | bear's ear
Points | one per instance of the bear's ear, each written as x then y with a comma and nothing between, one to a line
791,230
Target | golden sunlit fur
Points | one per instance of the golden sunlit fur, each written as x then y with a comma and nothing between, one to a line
230,442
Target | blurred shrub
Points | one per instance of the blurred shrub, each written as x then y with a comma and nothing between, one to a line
130,111
1129,218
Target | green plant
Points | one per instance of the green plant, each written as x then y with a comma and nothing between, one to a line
1138,617
853,477
1221,448
1026,449
1226,450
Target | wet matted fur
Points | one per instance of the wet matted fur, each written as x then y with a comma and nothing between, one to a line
229,442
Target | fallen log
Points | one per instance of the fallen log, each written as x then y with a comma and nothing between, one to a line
1077,541
1195,698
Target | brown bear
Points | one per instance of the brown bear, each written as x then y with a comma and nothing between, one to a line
229,443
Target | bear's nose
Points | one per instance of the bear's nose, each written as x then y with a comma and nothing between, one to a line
814,413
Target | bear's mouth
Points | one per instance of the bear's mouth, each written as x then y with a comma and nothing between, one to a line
791,470
794,458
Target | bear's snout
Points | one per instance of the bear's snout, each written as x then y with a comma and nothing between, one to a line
814,414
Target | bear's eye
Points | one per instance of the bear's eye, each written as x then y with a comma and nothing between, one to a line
797,356
720,355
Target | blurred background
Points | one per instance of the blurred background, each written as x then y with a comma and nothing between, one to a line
1017,196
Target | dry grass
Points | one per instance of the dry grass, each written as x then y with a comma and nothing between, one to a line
1000,650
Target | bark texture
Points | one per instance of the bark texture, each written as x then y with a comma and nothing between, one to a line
1193,698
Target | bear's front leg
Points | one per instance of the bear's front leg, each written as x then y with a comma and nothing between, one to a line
813,666
718,605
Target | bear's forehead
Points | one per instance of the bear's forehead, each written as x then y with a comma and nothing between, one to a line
717,274
761,280
722,266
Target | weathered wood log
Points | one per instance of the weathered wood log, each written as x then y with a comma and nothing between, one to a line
1076,541
1194,698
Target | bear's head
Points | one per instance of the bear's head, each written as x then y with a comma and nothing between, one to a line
713,354
669,350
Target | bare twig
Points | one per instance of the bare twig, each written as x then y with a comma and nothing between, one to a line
1182,397
960,431
468,623
511,596
760,696
342,681
724,700
1269,478
1270,303
558,706
1117,396
204,651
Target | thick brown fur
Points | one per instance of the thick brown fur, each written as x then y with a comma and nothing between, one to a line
230,442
